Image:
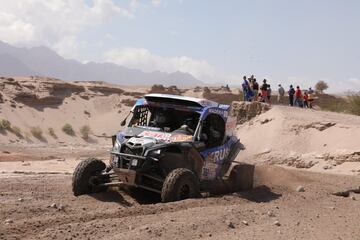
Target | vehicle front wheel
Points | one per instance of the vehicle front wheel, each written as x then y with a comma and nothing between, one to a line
87,177
180,184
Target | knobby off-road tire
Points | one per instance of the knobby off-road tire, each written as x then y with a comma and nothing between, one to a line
82,181
180,184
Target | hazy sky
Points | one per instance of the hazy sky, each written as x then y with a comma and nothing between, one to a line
286,41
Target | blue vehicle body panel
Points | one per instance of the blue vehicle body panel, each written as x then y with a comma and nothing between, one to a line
215,158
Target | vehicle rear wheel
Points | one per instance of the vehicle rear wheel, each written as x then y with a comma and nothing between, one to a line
87,177
180,184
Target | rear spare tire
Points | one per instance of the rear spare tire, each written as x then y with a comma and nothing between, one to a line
86,177
180,184
241,177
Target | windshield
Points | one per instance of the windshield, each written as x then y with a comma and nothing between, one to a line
161,119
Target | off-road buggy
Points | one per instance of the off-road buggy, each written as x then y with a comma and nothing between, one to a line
173,145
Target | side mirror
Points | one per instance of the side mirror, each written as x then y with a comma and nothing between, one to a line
123,122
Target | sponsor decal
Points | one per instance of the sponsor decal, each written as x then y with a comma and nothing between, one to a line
219,155
166,137
180,138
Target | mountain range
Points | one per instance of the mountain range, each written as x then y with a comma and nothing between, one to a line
42,61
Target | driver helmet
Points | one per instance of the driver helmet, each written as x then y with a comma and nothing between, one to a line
161,119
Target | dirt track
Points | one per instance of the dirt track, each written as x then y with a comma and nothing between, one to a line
313,214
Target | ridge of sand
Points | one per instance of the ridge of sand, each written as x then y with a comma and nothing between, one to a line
302,138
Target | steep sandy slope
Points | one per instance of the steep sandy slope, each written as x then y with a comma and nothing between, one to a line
320,141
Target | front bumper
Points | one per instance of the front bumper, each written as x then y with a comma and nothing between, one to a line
131,175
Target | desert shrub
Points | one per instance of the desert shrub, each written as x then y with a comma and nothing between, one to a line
17,131
68,129
85,131
354,101
52,132
37,132
5,125
159,88
321,86
206,90
332,103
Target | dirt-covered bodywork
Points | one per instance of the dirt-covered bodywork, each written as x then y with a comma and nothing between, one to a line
173,145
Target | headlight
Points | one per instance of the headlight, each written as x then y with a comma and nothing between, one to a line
117,146
134,162
154,153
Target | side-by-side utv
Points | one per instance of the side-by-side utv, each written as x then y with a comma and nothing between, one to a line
172,145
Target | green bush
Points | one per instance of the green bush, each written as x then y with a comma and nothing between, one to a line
17,131
5,125
37,132
68,129
85,131
354,101
52,132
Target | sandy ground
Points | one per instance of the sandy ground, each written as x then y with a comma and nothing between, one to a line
26,212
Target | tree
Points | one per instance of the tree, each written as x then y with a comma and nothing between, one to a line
321,86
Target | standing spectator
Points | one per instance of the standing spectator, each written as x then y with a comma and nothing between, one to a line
269,94
281,93
251,82
245,87
310,91
291,93
255,89
298,97
306,98
310,97
264,88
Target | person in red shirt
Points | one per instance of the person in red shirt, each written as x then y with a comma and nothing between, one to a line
298,97
306,98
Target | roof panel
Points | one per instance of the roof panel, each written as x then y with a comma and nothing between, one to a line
198,101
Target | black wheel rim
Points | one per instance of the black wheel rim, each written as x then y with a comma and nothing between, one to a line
184,192
94,180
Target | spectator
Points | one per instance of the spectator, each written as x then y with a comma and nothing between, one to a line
269,94
298,97
281,93
306,98
291,93
310,91
264,88
310,97
245,87
255,89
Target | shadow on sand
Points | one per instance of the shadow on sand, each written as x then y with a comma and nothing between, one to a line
259,194
112,196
